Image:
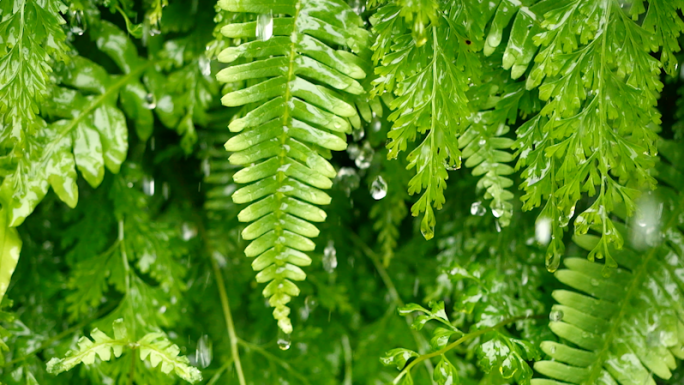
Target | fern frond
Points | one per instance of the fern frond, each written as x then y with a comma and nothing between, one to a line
154,346
293,79
626,327
595,135
427,76
31,39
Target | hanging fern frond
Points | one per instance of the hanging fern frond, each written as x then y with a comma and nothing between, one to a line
429,73
596,133
294,115
625,327
31,38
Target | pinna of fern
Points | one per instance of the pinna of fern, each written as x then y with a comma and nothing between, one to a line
293,116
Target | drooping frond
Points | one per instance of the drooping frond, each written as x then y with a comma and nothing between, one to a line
294,115
626,327
422,51
596,133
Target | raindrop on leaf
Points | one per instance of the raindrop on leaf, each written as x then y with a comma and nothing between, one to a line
150,101
264,28
556,315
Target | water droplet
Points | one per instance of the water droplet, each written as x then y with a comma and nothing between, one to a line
376,124
365,156
77,22
148,186
497,225
378,188
359,6
310,303
264,28
205,65
553,349
348,179
556,315
497,212
482,142
450,167
427,229
204,352
150,101
542,230
154,28
478,209
165,190
284,340
594,282
552,262
358,134
330,257
188,231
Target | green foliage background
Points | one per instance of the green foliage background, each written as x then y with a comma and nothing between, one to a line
427,191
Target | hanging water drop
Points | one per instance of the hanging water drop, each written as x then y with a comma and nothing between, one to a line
378,188
284,340
154,28
427,229
205,65
542,230
264,28
359,6
556,315
150,101
478,209
148,186
204,352
77,23
365,156
552,262
310,303
450,167
358,134
330,257
375,124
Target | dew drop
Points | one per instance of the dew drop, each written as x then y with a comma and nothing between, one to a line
264,28
427,229
482,142
310,303
594,282
204,65
154,28
204,352
556,315
150,101
284,340
358,134
77,24
148,186
542,230
365,157
375,124
358,6
378,188
330,257
450,167
478,209
552,262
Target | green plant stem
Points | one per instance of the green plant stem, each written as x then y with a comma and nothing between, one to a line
459,341
219,372
273,358
131,372
225,304
394,294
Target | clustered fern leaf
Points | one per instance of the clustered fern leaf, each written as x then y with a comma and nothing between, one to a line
297,122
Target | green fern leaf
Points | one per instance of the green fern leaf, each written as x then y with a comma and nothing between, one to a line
627,326
595,135
295,113
425,72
